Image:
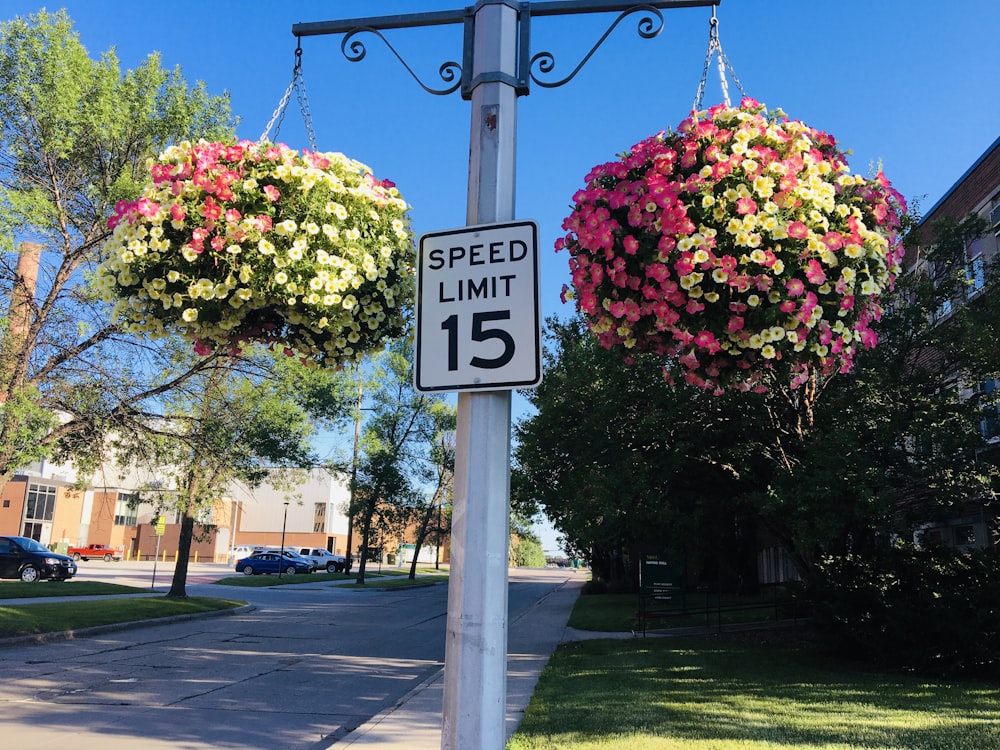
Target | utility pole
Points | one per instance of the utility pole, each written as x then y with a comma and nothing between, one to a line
496,69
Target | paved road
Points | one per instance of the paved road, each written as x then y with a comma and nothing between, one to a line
308,666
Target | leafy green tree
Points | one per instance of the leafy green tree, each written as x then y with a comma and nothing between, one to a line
234,420
74,136
895,443
619,460
526,547
396,453
440,470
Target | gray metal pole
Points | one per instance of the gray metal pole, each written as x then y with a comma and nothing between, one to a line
475,683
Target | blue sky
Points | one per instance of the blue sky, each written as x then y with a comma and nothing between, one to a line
911,84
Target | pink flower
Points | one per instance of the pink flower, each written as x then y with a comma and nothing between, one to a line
746,206
735,324
795,287
689,360
211,210
814,272
706,340
833,240
271,193
797,230
146,207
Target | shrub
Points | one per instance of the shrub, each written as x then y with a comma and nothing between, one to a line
932,610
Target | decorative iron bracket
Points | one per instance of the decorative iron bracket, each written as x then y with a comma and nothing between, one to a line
460,76
647,29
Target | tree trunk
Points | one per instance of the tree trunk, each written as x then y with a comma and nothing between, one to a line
421,535
179,582
366,527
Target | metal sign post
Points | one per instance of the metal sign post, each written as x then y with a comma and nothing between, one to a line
496,68
159,525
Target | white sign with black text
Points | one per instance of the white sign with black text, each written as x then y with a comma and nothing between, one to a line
478,319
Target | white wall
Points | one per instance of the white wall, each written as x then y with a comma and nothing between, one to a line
263,507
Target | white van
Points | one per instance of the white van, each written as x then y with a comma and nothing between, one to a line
245,550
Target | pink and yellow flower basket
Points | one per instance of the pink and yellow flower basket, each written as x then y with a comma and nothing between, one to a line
241,242
737,247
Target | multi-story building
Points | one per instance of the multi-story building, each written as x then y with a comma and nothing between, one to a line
116,508
976,192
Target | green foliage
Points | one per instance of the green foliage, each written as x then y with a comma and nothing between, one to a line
833,471
230,420
26,423
401,451
527,552
930,610
75,134
619,459
896,442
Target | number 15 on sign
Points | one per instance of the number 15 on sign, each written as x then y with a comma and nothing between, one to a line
478,323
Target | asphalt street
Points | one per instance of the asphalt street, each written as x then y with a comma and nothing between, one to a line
308,666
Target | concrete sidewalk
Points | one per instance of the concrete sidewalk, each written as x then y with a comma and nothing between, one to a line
415,722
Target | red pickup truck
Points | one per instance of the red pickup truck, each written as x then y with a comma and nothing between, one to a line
96,551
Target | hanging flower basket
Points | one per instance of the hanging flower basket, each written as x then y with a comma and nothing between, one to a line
232,243
737,246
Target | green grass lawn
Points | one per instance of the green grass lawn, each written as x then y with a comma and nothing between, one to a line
674,694
389,578
273,580
41,589
44,617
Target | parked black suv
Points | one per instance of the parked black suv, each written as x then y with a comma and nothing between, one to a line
31,561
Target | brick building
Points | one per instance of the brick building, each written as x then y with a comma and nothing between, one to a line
976,192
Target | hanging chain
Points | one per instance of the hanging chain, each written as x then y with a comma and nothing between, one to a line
298,85
715,46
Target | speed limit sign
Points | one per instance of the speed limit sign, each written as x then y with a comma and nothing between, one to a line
478,324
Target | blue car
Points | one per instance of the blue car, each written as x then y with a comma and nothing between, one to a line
267,563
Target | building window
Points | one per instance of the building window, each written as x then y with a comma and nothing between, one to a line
6,503
931,536
41,502
989,424
977,274
965,535
126,509
319,517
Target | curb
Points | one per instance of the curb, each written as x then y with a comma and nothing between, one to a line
65,635
359,732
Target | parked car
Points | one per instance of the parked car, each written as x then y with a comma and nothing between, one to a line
323,559
97,551
267,563
32,561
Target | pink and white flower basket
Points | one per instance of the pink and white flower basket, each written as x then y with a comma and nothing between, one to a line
737,247
243,242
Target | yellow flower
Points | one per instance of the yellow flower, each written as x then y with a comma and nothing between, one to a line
190,315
